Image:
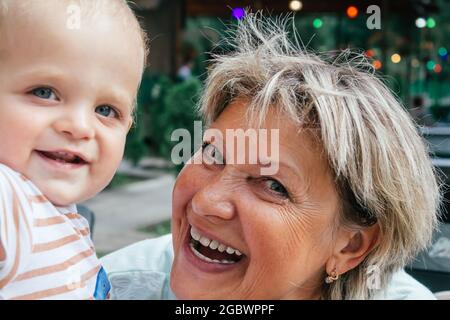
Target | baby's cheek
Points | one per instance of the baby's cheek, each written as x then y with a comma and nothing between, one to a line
100,176
115,155
110,158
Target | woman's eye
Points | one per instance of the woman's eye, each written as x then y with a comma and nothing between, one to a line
44,93
276,187
210,154
106,111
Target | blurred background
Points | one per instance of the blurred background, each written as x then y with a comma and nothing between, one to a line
410,51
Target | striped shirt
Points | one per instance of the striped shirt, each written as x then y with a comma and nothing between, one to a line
48,250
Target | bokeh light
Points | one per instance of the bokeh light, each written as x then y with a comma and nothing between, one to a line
295,5
238,13
430,65
317,23
377,64
369,53
421,23
396,58
431,23
437,68
352,12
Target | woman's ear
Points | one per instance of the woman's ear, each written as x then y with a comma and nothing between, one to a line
352,246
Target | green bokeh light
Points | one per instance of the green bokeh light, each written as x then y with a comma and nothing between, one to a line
317,23
442,51
431,23
430,65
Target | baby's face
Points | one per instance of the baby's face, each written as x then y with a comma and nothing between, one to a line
66,99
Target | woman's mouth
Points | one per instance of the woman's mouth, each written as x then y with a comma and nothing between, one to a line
212,251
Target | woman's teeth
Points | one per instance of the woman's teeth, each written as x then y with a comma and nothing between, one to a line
213,244
218,252
205,258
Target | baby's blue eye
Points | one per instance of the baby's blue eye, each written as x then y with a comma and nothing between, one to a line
44,93
106,111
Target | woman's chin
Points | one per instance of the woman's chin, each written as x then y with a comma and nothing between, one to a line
192,278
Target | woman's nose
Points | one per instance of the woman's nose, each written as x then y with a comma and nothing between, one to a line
76,123
213,202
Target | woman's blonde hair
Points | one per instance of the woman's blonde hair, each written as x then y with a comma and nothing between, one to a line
381,165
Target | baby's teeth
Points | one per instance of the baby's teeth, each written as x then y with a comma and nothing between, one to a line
222,248
230,250
194,234
214,245
237,252
204,241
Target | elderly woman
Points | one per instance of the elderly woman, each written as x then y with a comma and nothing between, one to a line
353,199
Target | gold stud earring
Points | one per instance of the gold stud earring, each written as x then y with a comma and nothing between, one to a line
332,277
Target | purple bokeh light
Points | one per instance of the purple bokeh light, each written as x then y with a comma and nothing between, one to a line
238,13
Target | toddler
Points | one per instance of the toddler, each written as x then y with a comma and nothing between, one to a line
69,74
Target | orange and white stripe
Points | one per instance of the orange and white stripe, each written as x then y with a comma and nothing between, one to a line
49,253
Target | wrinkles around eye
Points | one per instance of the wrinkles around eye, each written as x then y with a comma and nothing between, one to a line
211,154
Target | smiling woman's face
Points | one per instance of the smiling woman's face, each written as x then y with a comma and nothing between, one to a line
280,224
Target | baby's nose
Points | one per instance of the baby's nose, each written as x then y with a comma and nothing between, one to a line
76,124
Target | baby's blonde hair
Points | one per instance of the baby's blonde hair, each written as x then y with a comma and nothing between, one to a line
89,8
381,165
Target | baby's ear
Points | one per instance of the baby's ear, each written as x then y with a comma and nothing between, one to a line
130,123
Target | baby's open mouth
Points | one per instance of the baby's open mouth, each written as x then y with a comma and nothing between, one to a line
212,250
62,157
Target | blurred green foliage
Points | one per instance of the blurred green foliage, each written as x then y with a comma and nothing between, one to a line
162,106
135,148
120,180
441,112
158,229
